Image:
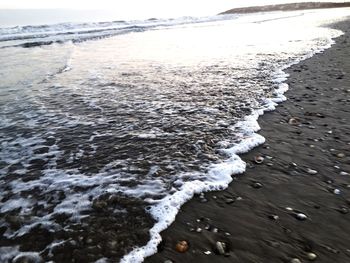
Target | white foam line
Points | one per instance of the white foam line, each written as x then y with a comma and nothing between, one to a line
219,175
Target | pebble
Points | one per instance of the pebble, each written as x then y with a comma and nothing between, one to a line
259,159
311,256
181,246
340,155
336,191
229,200
274,217
294,121
295,260
343,210
199,230
343,173
220,247
289,208
168,261
203,200
207,252
257,185
311,171
301,216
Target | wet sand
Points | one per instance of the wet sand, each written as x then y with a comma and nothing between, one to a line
295,205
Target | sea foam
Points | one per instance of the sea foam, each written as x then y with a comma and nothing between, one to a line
219,175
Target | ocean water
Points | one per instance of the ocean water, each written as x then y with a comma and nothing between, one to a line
106,129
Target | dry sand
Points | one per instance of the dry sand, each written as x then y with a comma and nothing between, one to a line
306,168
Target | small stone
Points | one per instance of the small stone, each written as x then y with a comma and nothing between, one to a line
344,173
295,260
274,217
215,230
199,230
220,247
311,171
181,246
343,210
294,121
168,261
229,200
340,155
336,191
207,252
258,159
311,256
289,209
203,200
301,216
257,185
239,198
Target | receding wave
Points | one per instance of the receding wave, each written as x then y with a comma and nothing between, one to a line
32,36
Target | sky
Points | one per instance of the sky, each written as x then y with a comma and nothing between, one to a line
143,8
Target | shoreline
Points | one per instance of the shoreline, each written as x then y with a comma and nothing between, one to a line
250,217
286,7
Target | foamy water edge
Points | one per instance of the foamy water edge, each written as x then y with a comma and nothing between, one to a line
219,175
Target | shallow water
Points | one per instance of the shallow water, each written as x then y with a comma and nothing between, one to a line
102,139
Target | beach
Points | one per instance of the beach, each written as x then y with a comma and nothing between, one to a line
292,203
108,129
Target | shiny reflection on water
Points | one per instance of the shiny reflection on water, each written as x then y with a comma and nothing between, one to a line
93,133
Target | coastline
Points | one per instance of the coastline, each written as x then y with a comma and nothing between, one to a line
298,172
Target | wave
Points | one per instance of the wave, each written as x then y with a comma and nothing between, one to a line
39,35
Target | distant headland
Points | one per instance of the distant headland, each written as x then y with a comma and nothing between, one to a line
286,7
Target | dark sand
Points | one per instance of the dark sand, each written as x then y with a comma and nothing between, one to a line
242,215
286,7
